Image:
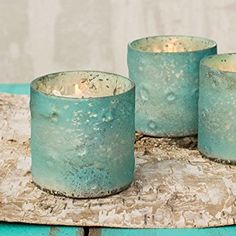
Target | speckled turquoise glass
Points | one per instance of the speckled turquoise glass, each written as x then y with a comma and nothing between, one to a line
82,134
166,72
217,107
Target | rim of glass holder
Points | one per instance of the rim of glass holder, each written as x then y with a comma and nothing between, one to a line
33,83
215,68
189,37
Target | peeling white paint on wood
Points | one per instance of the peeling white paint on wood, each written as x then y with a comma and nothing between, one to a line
174,186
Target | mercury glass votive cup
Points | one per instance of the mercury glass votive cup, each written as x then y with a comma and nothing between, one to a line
217,107
82,133
166,72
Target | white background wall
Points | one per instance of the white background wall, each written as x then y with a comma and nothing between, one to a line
43,36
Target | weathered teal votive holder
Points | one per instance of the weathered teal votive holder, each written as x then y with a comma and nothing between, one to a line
217,107
82,133
166,72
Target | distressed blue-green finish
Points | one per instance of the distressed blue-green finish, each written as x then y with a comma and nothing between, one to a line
82,147
15,88
217,107
11,229
166,71
217,231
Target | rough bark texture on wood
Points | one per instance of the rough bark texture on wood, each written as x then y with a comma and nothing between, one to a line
174,185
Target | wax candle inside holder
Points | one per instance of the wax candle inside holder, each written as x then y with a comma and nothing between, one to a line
217,107
166,72
82,133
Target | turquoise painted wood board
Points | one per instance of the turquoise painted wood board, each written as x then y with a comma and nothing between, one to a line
217,231
7,229
15,88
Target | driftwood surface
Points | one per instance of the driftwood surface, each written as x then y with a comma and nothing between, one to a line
174,185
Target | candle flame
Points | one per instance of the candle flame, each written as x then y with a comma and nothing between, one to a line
81,89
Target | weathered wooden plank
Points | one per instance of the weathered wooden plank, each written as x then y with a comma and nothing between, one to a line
174,186
7,229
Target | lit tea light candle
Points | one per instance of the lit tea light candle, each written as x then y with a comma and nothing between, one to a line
82,135
217,107
166,72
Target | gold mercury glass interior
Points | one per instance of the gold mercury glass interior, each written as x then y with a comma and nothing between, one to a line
172,44
223,62
83,84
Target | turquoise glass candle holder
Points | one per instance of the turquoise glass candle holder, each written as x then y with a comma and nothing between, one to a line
217,107
166,72
82,133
